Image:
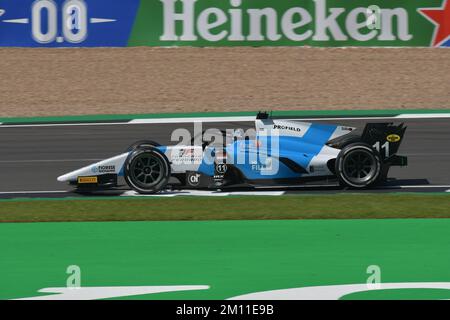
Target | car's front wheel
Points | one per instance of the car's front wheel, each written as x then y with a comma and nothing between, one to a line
147,170
358,166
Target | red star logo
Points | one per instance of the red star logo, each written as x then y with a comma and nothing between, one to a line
440,17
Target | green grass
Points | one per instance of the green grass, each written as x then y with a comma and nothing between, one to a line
232,257
349,206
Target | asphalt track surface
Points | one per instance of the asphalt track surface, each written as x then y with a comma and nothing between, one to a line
32,157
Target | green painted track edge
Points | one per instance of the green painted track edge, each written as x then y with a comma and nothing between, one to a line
291,113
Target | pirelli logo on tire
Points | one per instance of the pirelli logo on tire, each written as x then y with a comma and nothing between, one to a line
87,180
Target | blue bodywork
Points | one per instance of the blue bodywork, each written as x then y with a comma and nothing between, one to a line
250,156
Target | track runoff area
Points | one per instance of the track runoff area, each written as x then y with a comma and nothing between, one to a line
212,259
37,151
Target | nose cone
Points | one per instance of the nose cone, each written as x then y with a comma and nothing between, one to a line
113,165
71,176
62,178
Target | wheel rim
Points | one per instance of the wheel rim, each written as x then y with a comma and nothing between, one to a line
146,170
360,166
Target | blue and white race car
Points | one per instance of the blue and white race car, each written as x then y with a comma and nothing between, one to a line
277,153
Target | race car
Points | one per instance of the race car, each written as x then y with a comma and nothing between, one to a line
277,153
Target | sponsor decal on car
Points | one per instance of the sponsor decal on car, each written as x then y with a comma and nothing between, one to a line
267,166
318,169
187,155
104,169
186,152
86,180
284,127
393,138
221,168
193,179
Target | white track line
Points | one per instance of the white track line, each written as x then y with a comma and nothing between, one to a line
225,119
204,193
34,192
63,124
306,186
252,118
52,160
416,187
427,186
423,116
210,193
188,120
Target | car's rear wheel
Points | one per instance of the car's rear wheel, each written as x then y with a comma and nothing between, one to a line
147,170
358,166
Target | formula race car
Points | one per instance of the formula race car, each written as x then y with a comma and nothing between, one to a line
275,153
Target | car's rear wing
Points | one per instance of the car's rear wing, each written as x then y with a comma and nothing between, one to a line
386,139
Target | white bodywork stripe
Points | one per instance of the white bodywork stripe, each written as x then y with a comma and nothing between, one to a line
281,127
319,162
341,131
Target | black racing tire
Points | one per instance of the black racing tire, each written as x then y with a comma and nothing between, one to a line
142,144
358,166
147,170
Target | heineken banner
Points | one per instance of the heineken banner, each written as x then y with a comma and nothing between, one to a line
206,23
